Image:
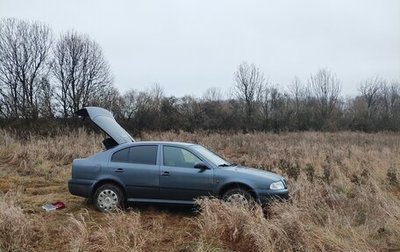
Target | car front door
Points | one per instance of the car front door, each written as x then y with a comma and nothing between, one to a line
179,179
137,168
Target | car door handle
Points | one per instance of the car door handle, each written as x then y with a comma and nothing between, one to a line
166,173
119,170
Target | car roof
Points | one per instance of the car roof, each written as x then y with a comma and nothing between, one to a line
162,142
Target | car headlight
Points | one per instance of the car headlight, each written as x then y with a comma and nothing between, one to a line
277,185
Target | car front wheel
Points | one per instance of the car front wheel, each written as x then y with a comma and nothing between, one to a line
237,196
108,198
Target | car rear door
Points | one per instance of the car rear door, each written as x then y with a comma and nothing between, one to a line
138,169
179,180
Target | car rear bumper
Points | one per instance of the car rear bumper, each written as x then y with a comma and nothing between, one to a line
81,187
265,196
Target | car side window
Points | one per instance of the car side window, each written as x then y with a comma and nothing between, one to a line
146,154
120,156
179,157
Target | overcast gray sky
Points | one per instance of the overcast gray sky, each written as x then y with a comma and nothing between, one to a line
188,46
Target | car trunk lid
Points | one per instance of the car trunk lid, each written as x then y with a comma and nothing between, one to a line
105,121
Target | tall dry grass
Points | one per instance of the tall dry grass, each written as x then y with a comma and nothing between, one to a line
18,231
345,196
43,156
318,218
123,231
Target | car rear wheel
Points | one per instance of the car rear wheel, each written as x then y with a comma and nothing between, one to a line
108,198
238,196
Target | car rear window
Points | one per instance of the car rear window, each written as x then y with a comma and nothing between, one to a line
146,154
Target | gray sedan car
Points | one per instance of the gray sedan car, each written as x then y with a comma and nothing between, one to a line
163,172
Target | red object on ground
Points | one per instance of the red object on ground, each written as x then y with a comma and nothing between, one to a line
59,205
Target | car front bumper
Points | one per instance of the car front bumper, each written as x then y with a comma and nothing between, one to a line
265,196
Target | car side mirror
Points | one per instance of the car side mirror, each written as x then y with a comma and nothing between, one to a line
201,166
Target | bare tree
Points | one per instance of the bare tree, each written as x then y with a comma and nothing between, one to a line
249,84
297,93
45,99
299,97
80,71
156,93
390,100
212,94
370,91
130,104
136,102
24,54
109,98
325,89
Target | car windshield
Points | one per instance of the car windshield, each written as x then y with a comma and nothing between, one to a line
211,156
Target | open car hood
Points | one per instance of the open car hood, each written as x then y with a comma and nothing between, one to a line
105,121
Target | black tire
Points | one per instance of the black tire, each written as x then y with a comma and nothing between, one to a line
108,198
238,196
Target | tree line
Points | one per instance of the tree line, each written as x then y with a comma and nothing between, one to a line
43,77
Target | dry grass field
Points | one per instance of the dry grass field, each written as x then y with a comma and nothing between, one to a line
345,196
